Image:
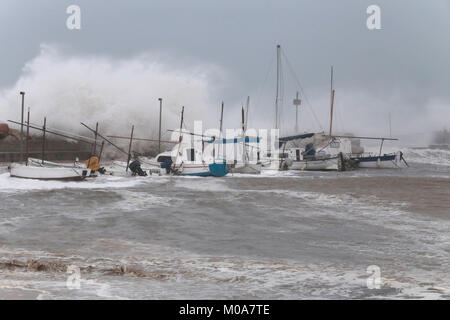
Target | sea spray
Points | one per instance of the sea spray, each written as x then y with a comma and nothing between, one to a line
114,92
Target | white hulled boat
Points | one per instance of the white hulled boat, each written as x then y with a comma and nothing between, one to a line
18,170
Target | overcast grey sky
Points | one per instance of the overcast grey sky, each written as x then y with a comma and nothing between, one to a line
404,68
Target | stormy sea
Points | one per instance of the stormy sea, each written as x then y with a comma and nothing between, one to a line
363,234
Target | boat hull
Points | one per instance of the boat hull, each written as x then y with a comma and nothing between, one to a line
385,161
48,173
189,169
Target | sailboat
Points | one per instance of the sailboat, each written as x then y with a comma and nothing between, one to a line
187,159
246,163
42,172
380,160
321,152
328,156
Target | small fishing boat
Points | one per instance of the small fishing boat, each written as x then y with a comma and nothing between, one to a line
45,163
18,170
46,170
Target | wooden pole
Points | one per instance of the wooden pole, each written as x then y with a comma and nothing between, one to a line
92,130
43,139
129,147
55,133
28,136
141,139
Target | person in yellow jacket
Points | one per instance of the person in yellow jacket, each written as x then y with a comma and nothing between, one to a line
93,164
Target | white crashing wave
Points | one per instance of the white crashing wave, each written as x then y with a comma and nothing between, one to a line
428,156
117,93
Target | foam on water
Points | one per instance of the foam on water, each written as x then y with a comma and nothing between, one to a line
10,184
177,274
154,237
428,156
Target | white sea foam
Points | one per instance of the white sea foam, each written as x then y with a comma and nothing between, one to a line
169,272
428,156
202,184
10,184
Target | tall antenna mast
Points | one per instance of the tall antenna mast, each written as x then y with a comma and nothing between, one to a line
278,88
297,102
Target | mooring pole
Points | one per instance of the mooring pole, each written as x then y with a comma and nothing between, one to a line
160,114
43,139
129,148
28,135
21,128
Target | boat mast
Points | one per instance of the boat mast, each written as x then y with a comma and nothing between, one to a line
246,113
331,103
43,139
180,138
95,139
129,148
159,135
390,127
27,143
221,120
243,135
278,88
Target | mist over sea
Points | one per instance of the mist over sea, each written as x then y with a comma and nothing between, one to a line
280,235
